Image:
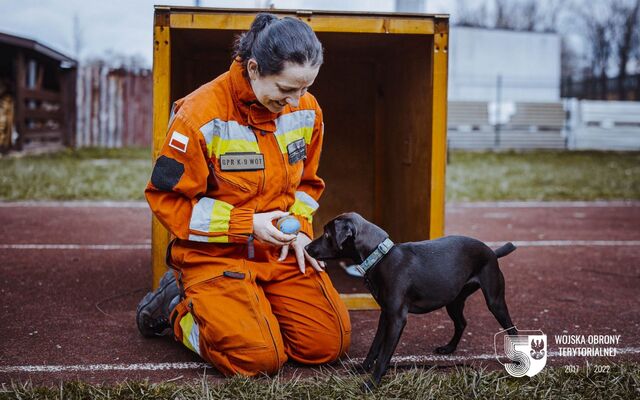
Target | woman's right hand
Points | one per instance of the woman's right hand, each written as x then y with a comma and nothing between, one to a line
264,230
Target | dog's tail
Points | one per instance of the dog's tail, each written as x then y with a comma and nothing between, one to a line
505,250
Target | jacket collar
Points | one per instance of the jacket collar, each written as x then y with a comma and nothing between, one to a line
253,113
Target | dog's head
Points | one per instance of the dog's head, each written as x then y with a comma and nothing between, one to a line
348,236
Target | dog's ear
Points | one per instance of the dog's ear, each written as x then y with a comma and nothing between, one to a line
345,230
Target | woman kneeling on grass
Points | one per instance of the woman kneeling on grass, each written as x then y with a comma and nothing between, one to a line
242,151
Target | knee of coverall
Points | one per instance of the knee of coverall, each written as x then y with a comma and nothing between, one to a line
239,361
323,349
251,362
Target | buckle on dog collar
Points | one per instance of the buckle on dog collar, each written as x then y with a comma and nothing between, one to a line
381,250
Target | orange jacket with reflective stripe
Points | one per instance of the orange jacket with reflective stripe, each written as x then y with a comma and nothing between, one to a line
227,157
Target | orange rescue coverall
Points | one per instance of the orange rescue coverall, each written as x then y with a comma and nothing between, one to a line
225,158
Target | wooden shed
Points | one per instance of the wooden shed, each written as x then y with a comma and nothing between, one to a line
383,91
39,83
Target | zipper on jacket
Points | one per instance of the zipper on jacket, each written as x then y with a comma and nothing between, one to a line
264,177
284,165
230,182
213,278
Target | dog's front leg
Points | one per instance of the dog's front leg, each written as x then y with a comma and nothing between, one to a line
374,350
394,324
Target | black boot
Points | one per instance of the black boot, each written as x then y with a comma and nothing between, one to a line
155,308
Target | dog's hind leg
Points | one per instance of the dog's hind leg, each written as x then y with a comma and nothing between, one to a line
455,310
492,284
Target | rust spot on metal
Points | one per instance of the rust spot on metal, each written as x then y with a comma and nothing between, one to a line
442,27
161,17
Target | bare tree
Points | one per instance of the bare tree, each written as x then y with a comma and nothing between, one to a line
626,14
503,17
596,27
520,15
467,15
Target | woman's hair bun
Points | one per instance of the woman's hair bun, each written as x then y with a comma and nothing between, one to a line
272,41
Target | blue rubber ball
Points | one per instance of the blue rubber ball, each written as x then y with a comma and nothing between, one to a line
289,225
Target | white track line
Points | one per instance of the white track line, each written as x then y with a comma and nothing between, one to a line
28,246
422,359
452,205
200,365
542,204
104,367
75,204
566,243
147,246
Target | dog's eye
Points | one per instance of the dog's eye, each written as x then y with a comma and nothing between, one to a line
326,235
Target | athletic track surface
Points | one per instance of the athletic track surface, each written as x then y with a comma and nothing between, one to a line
72,274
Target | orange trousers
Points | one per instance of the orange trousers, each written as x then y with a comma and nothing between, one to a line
249,316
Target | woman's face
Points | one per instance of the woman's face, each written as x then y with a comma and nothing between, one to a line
276,91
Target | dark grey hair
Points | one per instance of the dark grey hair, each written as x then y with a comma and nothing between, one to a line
272,41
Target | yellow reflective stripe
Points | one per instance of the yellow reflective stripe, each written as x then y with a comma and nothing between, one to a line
287,137
303,209
219,146
220,216
190,333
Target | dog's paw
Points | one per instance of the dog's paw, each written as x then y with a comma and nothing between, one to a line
445,349
368,386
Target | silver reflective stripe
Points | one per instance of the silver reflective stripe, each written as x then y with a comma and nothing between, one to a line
198,238
194,337
172,115
226,130
295,120
201,215
308,200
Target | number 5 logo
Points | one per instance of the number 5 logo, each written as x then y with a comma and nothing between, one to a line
527,350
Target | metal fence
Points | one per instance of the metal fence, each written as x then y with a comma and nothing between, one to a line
572,124
603,125
114,107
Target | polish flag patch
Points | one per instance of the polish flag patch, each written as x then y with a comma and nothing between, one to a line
179,141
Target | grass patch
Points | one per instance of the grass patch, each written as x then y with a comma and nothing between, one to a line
85,174
122,174
622,382
543,175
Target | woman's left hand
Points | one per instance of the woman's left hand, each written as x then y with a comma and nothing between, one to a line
301,254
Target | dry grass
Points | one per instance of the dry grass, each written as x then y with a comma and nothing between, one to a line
622,382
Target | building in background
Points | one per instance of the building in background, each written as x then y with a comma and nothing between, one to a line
503,65
38,96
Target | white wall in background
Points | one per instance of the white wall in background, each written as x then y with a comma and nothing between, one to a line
529,63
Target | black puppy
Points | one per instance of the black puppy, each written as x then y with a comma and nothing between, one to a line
416,277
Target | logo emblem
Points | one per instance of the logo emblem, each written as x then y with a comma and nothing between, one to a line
528,351
297,151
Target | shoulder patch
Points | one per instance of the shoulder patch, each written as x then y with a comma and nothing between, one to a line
166,173
179,141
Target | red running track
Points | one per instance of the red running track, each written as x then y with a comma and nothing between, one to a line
69,302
